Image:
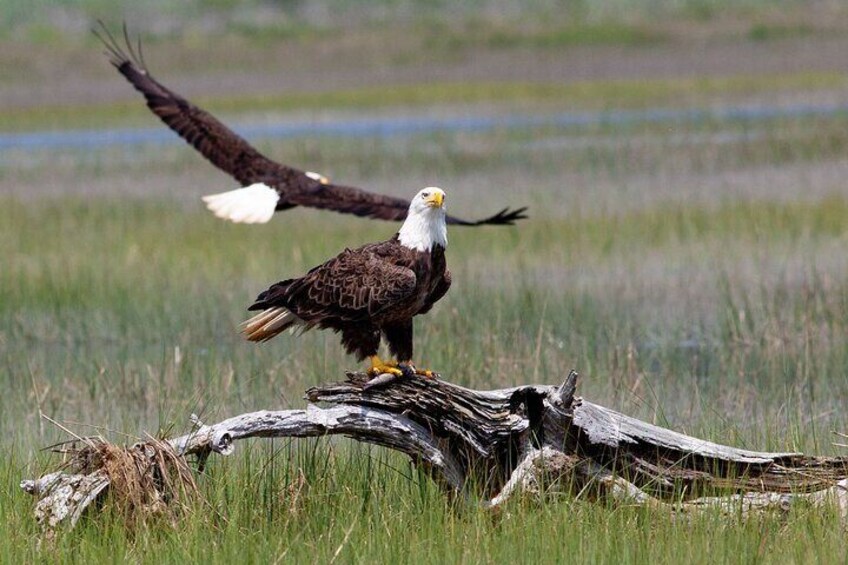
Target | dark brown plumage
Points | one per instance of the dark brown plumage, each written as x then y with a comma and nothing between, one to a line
360,292
235,156
365,292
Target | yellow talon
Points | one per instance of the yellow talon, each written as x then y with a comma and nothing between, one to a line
378,367
422,372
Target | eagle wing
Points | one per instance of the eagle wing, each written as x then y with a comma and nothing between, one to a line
219,144
351,200
354,286
232,154
441,289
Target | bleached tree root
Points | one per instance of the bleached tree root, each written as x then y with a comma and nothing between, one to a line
489,446
64,497
546,471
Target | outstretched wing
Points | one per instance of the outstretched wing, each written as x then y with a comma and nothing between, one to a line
354,286
219,144
351,200
232,154
505,217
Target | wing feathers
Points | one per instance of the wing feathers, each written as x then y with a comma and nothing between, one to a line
354,286
215,141
505,217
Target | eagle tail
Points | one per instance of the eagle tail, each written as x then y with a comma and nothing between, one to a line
254,204
269,323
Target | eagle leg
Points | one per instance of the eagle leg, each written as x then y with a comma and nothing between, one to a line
378,367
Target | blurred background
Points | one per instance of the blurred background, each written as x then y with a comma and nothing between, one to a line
684,164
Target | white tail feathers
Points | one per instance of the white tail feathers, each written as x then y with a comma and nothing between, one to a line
254,204
269,323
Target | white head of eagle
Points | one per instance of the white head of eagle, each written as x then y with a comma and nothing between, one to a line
425,225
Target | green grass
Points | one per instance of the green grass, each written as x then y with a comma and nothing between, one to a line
43,20
359,505
764,32
700,285
585,95
444,37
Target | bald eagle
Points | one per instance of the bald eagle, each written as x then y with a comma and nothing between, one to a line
268,186
365,292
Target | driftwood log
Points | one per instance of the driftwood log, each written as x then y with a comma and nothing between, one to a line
486,446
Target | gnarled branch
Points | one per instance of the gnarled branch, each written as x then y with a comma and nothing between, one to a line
526,439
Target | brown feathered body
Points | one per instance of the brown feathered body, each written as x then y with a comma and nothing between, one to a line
361,293
235,156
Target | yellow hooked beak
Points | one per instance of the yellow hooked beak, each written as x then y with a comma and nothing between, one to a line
436,200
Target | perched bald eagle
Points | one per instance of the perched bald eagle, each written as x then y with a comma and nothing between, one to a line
365,292
268,186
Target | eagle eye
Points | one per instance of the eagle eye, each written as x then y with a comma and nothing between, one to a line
425,194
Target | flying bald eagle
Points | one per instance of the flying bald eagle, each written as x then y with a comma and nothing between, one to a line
268,186
365,292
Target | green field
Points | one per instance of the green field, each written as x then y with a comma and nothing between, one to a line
695,275
716,310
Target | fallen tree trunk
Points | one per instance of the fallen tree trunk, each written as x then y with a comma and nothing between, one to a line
490,445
